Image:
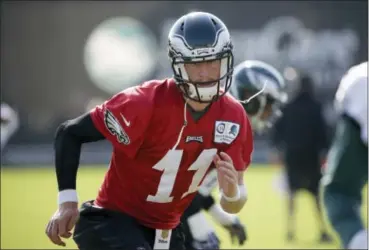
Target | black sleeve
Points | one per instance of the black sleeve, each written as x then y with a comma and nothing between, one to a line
208,202
198,203
68,141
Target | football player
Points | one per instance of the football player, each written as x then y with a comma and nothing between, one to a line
9,123
167,134
346,170
300,140
199,233
261,90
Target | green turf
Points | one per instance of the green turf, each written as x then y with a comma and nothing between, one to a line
28,199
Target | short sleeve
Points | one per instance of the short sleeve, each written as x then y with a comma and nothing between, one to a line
124,118
241,149
351,99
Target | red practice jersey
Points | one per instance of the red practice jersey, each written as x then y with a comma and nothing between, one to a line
158,160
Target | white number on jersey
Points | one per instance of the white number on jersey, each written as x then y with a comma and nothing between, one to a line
170,163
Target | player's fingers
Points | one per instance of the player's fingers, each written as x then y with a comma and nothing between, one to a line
239,237
47,228
216,159
226,165
226,157
54,235
230,179
228,172
62,225
240,241
66,235
242,238
72,221
243,235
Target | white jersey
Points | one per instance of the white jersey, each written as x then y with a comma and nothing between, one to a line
352,97
6,111
9,123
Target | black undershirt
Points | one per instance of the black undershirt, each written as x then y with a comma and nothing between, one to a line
68,142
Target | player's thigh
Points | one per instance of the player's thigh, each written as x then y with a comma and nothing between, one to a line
186,233
85,235
178,239
108,229
87,239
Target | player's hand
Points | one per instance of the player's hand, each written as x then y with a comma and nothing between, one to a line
62,222
227,174
237,231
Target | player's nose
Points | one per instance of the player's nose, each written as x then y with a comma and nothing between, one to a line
203,71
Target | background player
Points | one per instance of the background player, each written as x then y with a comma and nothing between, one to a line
199,232
301,140
347,163
9,123
163,147
262,91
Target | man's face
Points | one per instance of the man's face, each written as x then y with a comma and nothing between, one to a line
203,71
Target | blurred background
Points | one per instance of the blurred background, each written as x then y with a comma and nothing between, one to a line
60,59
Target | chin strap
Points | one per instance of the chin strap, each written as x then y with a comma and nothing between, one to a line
255,95
183,126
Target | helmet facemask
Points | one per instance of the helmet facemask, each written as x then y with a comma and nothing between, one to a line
203,92
263,111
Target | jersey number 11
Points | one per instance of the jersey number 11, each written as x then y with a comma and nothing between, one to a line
170,163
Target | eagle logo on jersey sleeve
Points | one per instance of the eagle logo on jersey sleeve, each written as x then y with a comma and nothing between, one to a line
114,127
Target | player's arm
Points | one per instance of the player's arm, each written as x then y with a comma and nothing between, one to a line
122,120
351,101
216,212
108,120
69,138
205,200
234,200
231,166
231,222
347,165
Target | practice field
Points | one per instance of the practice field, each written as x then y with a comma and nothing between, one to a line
28,199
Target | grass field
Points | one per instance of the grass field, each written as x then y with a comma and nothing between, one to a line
28,199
